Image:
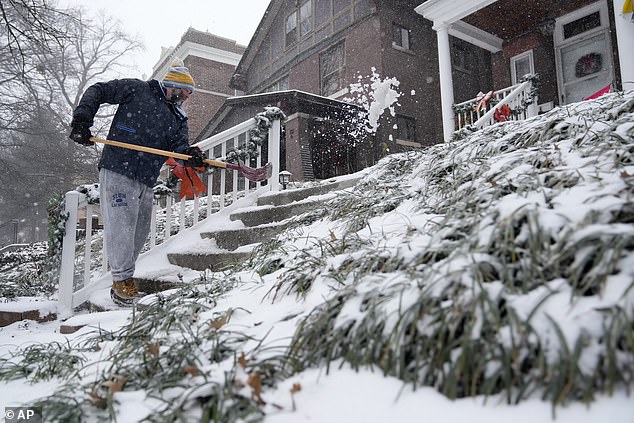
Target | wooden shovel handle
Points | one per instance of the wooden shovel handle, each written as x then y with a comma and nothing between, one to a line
165,153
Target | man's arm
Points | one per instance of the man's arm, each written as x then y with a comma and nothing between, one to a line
113,92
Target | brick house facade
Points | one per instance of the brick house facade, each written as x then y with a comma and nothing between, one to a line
532,32
211,61
320,47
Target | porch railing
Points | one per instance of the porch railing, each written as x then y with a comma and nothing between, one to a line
75,285
480,112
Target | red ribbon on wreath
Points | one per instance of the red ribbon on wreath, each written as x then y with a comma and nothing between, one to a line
502,113
191,185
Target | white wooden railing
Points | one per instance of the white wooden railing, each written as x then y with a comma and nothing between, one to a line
519,99
75,289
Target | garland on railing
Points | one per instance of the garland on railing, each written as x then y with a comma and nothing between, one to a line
57,218
165,188
257,136
534,78
532,94
91,191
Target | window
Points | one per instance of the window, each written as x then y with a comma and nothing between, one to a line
331,64
582,25
305,18
463,57
401,37
291,29
406,128
521,65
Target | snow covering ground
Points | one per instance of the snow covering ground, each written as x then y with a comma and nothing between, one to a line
517,240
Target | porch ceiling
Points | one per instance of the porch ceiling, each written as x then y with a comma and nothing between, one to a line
508,19
449,11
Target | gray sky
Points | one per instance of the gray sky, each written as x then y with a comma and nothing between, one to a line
160,23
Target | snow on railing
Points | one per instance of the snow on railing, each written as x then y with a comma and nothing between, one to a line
481,111
217,145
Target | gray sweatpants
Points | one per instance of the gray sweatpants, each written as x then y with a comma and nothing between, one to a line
126,208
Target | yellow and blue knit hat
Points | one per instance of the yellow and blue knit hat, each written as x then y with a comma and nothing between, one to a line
178,76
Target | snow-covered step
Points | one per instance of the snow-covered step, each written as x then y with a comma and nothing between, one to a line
280,198
202,261
27,308
262,215
231,239
105,320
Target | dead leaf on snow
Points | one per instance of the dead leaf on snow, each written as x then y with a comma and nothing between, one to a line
153,348
117,384
97,400
255,382
191,370
242,361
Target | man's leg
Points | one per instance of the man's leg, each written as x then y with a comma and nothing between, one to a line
144,219
119,200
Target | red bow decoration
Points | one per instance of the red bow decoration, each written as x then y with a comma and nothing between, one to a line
191,185
502,113
481,100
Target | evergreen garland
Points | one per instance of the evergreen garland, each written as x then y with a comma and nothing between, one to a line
57,218
257,136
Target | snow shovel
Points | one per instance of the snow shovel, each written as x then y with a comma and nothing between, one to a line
252,174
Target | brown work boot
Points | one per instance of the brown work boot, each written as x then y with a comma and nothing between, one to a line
124,292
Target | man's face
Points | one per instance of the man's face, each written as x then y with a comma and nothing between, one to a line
178,95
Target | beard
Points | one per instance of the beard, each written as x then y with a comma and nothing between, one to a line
177,97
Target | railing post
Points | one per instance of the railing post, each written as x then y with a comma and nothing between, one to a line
223,177
182,214
274,154
168,218
87,252
67,268
153,225
196,205
533,108
210,192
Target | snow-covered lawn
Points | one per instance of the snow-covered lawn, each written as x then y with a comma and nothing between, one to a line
484,280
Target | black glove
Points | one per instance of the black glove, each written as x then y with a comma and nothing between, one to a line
196,159
80,133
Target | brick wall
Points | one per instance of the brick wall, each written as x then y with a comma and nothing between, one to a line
212,85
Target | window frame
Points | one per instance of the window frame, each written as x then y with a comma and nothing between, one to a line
515,79
294,30
301,19
410,125
339,70
405,37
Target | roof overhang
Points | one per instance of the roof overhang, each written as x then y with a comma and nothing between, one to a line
447,13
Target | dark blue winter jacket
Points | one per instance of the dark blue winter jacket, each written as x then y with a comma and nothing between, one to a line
144,117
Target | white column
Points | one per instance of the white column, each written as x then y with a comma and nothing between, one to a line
446,81
274,154
624,38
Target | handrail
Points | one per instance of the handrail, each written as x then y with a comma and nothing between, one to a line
478,113
486,118
68,298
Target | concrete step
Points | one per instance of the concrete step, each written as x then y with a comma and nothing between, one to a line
292,195
203,261
268,214
111,320
27,308
232,239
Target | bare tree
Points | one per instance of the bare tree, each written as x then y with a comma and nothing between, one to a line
40,88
